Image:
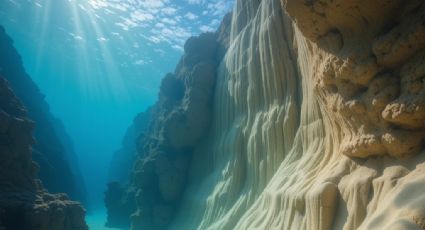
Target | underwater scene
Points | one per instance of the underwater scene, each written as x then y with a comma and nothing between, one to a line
212,114
86,71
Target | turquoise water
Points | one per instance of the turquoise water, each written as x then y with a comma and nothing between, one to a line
97,219
100,62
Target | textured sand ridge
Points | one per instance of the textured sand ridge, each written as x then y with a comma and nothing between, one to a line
319,120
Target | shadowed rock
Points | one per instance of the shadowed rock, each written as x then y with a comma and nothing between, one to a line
180,119
24,203
52,148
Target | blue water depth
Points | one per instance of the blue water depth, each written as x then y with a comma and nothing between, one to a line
100,62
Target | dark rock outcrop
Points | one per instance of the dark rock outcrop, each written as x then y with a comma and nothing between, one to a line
119,206
123,159
183,116
180,119
52,149
24,203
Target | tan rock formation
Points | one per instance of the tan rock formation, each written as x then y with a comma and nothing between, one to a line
318,120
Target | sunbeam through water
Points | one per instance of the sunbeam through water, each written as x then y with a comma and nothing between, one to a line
99,63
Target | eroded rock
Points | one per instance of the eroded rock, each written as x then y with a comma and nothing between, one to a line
24,203
373,78
182,116
52,148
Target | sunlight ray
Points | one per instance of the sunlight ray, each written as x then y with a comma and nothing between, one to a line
42,30
113,75
97,64
82,51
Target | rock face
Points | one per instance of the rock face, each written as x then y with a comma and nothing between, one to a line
371,74
123,159
317,120
53,150
119,205
180,120
24,203
317,123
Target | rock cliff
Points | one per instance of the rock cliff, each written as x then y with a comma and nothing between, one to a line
123,159
24,203
183,113
179,120
53,150
119,205
317,122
